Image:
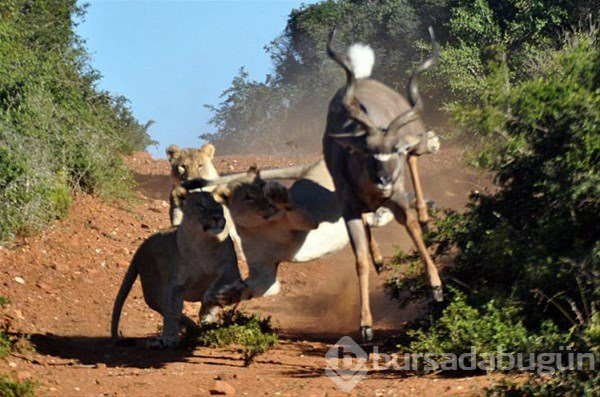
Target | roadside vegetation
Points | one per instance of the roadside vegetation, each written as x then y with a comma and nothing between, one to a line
14,388
10,387
532,247
58,132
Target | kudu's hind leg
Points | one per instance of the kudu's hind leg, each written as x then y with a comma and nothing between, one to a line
406,215
360,245
421,204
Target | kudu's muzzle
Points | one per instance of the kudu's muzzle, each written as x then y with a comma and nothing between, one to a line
387,168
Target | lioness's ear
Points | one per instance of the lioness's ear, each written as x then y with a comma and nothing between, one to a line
253,171
222,194
172,152
209,150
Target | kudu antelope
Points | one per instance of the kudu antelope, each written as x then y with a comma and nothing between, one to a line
371,132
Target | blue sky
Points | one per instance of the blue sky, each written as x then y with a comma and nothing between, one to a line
169,58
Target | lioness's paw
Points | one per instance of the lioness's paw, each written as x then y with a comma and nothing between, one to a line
163,342
277,193
209,318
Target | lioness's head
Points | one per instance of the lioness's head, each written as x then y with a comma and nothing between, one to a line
201,209
246,199
192,163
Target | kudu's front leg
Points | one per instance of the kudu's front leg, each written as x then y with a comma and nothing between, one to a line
406,216
360,245
374,248
421,204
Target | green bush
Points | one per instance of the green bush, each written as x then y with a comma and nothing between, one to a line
58,133
5,344
535,240
461,326
584,382
13,388
254,335
532,244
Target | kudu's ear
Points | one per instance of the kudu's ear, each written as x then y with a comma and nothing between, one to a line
430,143
407,143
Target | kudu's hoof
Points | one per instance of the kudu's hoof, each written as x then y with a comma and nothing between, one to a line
379,266
431,206
438,293
366,333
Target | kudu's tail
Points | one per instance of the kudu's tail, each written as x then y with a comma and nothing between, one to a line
128,281
357,63
295,172
361,59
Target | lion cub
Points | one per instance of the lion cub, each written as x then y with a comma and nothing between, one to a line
190,262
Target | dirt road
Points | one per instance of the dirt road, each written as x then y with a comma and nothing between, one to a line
62,283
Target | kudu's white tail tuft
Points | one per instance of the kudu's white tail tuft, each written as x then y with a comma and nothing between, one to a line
362,59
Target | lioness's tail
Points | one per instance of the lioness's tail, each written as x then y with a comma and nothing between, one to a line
128,281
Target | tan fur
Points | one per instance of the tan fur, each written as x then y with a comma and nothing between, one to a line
190,262
187,164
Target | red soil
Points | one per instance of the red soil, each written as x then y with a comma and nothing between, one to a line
72,271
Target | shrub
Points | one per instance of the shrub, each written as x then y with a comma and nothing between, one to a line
13,388
533,243
5,344
58,133
584,382
535,240
254,334
461,326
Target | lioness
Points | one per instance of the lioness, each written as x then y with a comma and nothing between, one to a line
277,224
190,262
187,164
